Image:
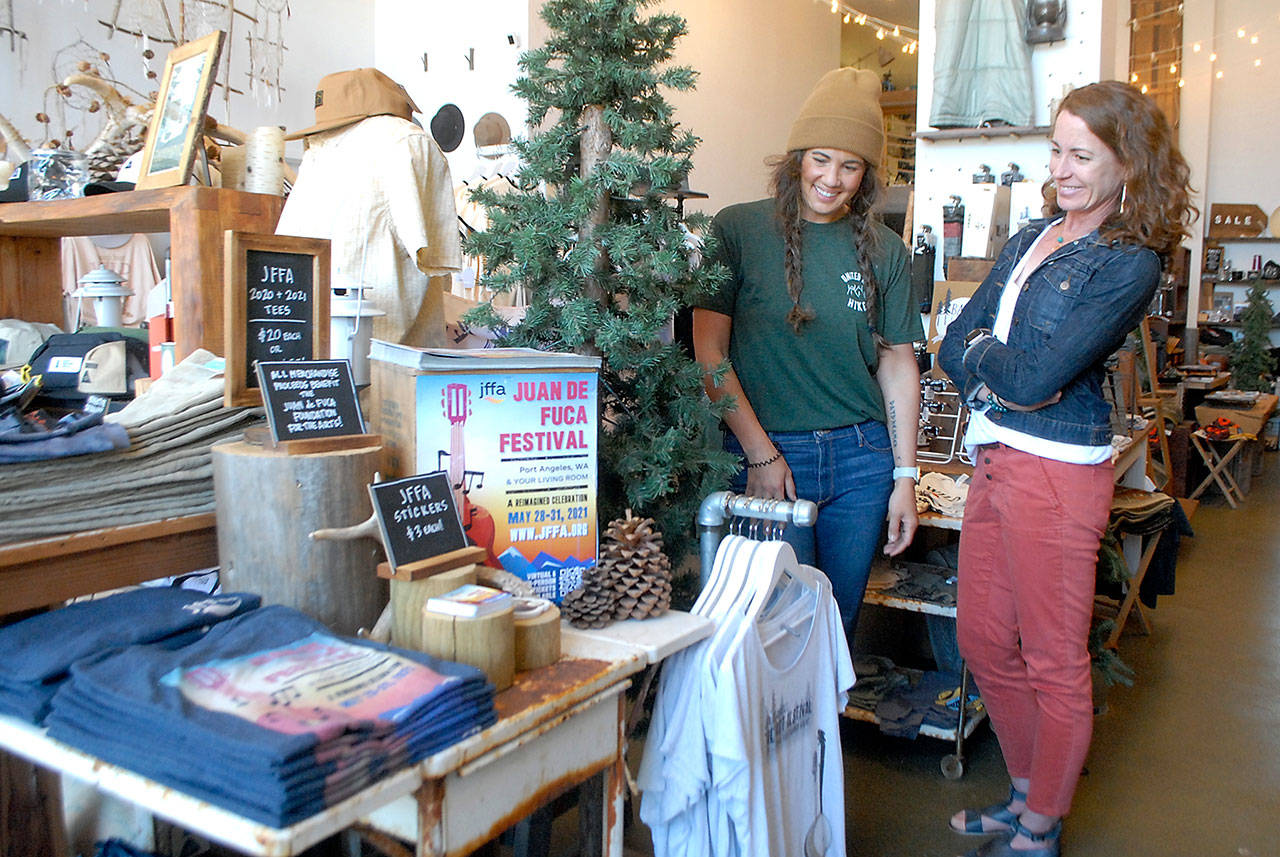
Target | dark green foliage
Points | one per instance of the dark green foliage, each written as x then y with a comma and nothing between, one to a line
1106,661
613,295
1251,365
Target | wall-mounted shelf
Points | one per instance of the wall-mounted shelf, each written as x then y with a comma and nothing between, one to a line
1266,284
899,108
997,132
1274,325
1261,239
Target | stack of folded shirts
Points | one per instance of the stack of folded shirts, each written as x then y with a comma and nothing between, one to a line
36,653
269,715
166,472
1139,512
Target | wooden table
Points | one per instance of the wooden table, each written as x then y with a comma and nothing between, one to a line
558,727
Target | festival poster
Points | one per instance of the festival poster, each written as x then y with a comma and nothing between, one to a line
521,451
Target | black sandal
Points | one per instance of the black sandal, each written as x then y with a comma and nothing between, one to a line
1000,846
998,812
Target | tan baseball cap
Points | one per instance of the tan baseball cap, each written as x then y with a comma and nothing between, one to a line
345,97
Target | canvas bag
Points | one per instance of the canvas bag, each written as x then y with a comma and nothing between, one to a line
74,366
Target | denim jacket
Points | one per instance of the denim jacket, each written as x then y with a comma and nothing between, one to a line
1075,309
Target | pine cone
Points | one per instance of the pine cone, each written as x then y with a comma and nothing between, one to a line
636,569
587,608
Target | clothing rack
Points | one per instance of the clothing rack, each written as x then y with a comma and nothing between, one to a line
720,509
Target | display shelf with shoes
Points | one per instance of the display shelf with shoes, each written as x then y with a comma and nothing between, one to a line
904,701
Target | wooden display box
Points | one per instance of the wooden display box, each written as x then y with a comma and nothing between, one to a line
194,217
516,430
1251,420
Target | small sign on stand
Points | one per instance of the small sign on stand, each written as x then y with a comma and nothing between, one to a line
421,529
277,306
312,406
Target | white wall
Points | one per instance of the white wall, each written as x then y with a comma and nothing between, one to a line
945,167
757,60
447,31
321,36
1230,124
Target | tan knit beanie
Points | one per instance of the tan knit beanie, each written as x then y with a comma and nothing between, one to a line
842,112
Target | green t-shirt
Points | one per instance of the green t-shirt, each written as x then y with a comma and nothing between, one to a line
823,377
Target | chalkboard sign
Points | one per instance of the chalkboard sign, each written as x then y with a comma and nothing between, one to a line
309,399
277,306
418,517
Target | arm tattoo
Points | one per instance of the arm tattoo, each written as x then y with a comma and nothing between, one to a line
893,432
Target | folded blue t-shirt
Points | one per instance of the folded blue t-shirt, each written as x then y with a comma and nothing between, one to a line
237,716
45,646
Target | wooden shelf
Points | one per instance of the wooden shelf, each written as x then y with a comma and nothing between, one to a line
1000,131
1274,325
1261,239
48,570
128,211
194,217
1265,283
898,99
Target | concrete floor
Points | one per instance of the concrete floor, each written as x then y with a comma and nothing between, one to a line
1185,763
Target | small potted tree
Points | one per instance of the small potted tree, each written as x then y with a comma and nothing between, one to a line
1252,366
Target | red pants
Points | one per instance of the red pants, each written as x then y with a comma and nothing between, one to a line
1028,550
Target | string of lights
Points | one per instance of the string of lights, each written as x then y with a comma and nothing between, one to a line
1253,38
908,36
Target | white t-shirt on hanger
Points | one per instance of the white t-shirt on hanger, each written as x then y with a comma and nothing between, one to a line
763,724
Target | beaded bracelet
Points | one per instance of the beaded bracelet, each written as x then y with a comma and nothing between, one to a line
766,462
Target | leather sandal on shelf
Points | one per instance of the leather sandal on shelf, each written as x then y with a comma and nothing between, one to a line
998,812
1001,846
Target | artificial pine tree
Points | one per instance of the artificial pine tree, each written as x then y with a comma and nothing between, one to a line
1253,365
593,236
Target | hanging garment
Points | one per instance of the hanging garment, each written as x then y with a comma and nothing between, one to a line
132,260
381,192
474,217
743,755
982,69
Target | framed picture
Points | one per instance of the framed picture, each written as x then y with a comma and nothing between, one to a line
1212,259
276,306
176,124
1223,306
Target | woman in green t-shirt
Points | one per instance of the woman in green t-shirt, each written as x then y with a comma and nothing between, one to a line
816,326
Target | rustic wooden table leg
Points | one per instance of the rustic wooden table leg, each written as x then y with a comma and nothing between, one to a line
600,801
30,810
431,831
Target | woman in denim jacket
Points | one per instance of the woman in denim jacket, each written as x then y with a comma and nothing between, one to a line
1027,353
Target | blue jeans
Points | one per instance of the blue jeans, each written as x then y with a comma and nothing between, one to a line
848,472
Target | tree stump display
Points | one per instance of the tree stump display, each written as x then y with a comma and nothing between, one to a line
268,503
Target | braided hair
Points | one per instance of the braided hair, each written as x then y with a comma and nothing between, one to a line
785,186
